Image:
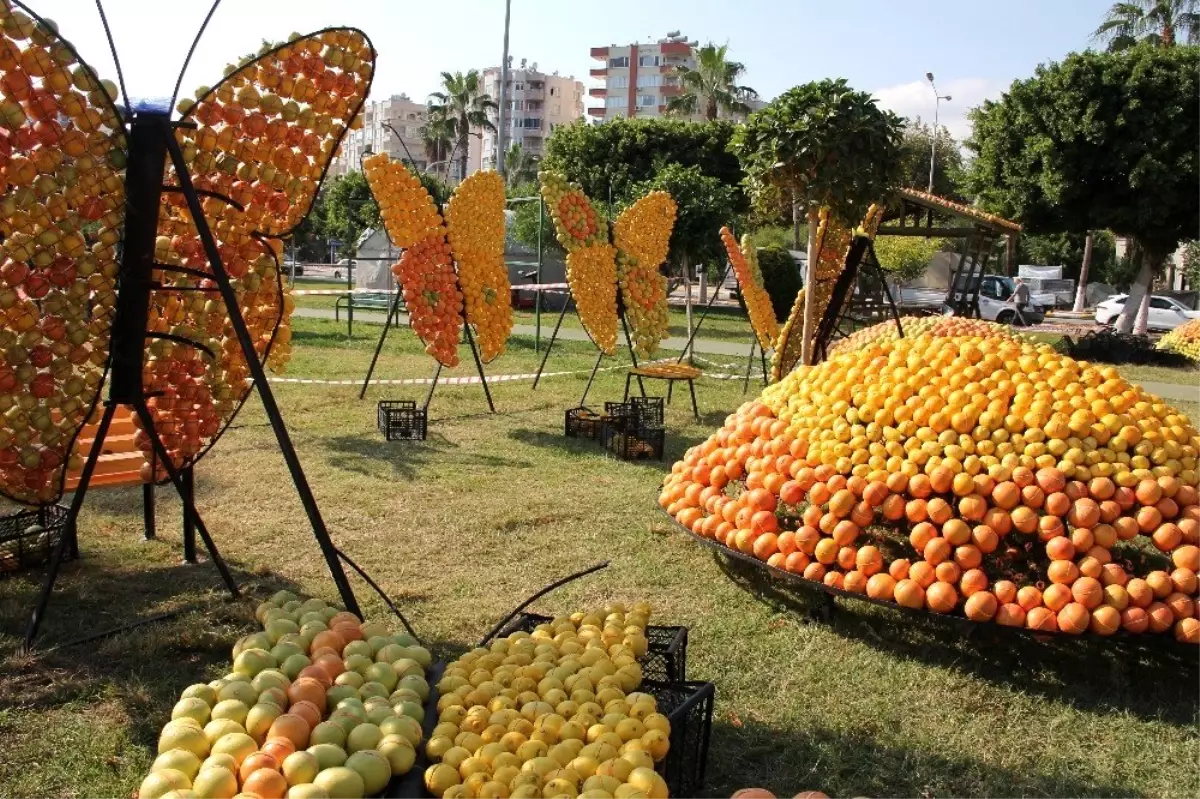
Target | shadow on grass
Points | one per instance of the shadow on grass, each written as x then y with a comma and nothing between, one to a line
583,446
1120,674
839,763
407,458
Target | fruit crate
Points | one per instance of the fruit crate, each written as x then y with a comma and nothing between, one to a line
647,411
665,661
583,422
633,442
28,538
689,708
401,420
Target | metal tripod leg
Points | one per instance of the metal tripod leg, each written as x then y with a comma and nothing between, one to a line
749,364
148,520
553,337
68,531
762,355
238,322
479,367
632,354
189,521
392,311
596,368
707,307
160,450
429,396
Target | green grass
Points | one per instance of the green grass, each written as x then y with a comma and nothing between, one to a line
722,324
460,528
1162,374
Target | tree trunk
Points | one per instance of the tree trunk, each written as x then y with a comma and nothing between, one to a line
703,286
1140,324
687,282
1137,292
1081,292
810,279
711,110
796,225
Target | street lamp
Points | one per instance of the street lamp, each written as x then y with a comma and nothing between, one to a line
937,101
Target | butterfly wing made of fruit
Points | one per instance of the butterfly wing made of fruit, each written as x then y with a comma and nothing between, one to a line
62,209
475,226
425,270
642,235
263,138
744,258
591,258
833,242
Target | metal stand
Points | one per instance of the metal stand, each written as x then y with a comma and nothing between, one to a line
189,523
553,338
687,348
387,325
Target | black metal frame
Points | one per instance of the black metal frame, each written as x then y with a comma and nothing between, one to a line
852,304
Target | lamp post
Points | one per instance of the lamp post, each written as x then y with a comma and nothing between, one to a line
937,101
502,103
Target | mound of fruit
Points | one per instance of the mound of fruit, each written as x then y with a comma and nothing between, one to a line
980,476
555,712
921,325
319,704
1184,340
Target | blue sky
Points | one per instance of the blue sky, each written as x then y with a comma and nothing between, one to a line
975,49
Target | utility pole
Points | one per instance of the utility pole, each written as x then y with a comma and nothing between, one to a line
503,101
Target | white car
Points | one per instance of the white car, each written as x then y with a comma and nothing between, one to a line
1165,313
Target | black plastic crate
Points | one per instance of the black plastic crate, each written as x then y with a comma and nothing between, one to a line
634,442
28,538
401,420
689,708
583,422
647,411
617,415
665,659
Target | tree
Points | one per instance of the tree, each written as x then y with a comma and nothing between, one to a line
520,166
1154,22
1099,141
463,106
1191,265
437,136
349,209
915,150
906,258
820,145
712,86
607,160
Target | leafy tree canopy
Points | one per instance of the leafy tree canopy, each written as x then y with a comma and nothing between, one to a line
915,150
906,258
348,209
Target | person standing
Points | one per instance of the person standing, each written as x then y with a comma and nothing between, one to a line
1020,297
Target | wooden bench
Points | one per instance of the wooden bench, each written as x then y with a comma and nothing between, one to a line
670,372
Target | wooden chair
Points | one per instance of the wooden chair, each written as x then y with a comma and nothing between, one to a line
670,372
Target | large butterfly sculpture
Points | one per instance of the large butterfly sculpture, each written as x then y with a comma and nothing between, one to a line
255,147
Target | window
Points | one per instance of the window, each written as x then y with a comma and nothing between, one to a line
647,100
532,122
620,61
554,91
518,105
649,80
616,102
618,82
1161,303
519,86
648,61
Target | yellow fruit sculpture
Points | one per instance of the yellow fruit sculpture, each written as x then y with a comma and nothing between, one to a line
642,235
922,325
591,260
750,283
475,229
1184,340
980,476
555,712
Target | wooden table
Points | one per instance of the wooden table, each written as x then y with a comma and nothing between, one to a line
669,372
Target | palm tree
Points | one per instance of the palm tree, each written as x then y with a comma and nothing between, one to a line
712,86
436,137
1157,22
464,106
520,166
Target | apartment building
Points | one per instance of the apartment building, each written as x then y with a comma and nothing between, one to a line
389,126
537,104
638,79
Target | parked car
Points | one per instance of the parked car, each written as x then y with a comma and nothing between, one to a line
1166,313
343,266
994,305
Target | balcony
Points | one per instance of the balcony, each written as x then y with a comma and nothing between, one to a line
676,48
598,73
597,111
670,90
600,92
600,53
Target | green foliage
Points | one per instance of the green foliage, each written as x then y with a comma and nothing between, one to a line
1066,249
704,203
461,107
781,279
906,258
1099,141
1158,23
525,220
1120,273
779,236
520,166
821,144
438,189
711,87
348,209
1191,264
606,160
915,150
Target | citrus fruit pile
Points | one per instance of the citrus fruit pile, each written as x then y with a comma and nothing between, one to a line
555,712
922,325
833,240
1184,340
591,259
750,281
642,234
62,163
319,704
979,476
425,270
475,229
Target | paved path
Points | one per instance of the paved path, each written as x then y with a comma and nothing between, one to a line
702,346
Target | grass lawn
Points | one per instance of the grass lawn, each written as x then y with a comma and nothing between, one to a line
460,528
723,324
1163,374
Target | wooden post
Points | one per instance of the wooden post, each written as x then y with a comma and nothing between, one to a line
1081,290
810,279
1010,265
687,277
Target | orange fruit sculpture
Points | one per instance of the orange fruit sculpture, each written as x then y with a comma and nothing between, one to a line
642,235
914,326
744,258
985,476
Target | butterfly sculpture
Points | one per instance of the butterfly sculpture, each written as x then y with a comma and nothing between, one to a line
113,267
